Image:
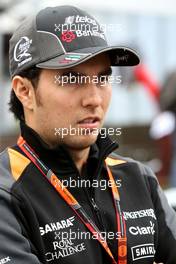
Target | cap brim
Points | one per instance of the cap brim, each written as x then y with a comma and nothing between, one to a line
120,56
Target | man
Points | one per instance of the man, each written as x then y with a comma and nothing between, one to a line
54,208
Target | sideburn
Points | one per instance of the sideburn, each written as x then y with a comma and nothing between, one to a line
38,97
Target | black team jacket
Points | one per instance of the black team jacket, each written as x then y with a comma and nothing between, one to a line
37,226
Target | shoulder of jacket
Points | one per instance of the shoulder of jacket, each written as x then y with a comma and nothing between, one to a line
115,160
12,165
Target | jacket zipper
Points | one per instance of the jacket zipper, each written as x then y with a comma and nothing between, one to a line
91,196
109,149
98,213
96,210
94,205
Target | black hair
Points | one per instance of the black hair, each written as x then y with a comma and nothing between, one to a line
15,106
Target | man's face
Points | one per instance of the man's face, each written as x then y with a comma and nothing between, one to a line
75,108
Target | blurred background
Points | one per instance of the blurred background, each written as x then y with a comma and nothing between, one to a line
144,104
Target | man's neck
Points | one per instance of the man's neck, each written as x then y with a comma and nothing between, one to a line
79,157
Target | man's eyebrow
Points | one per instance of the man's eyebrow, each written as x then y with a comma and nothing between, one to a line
72,73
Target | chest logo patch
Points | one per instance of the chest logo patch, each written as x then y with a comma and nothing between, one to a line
143,251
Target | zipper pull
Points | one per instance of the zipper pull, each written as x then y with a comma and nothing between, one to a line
98,213
94,205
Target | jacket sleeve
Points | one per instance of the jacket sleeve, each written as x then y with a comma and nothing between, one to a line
14,247
166,218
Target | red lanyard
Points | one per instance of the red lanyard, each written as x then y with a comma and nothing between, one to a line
77,208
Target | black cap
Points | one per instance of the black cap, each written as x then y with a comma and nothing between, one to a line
61,37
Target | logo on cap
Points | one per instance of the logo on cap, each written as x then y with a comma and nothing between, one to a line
68,36
21,53
69,19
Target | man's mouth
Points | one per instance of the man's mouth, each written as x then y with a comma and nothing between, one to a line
89,120
90,123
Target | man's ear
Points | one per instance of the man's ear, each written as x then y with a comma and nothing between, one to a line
24,91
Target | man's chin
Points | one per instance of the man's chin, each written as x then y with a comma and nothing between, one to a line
83,141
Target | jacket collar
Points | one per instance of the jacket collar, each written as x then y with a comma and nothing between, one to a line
59,160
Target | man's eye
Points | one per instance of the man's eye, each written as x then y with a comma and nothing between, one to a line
73,79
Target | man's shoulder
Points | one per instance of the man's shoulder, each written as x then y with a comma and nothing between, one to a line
12,164
116,161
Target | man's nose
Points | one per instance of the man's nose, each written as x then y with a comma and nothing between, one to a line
92,96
